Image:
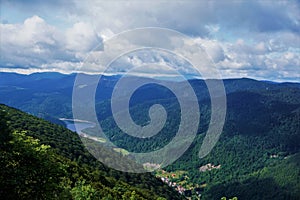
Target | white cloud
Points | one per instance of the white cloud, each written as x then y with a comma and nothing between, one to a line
253,39
81,38
36,44
200,18
30,43
261,60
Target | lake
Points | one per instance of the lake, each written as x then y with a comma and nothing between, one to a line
80,125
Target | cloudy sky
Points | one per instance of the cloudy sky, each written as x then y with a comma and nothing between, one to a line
255,39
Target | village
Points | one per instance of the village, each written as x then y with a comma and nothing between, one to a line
179,181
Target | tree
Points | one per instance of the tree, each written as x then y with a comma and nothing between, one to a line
29,170
83,191
5,134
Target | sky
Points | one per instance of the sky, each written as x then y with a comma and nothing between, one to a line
254,39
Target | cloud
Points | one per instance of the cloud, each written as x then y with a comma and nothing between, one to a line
23,43
253,39
36,44
261,60
195,17
82,38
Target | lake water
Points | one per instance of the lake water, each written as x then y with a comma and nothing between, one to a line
79,125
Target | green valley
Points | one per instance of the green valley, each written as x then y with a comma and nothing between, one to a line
256,157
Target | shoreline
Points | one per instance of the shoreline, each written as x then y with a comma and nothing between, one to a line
76,120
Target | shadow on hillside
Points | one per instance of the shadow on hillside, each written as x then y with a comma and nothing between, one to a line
252,189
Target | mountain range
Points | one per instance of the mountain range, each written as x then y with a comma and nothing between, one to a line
256,157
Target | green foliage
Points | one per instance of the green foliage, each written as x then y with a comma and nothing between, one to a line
5,135
47,161
262,129
258,150
83,191
234,198
29,170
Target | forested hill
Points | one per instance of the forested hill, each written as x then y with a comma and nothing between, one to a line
49,95
256,157
40,160
258,154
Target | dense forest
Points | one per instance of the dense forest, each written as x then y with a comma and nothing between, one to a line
40,160
256,157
